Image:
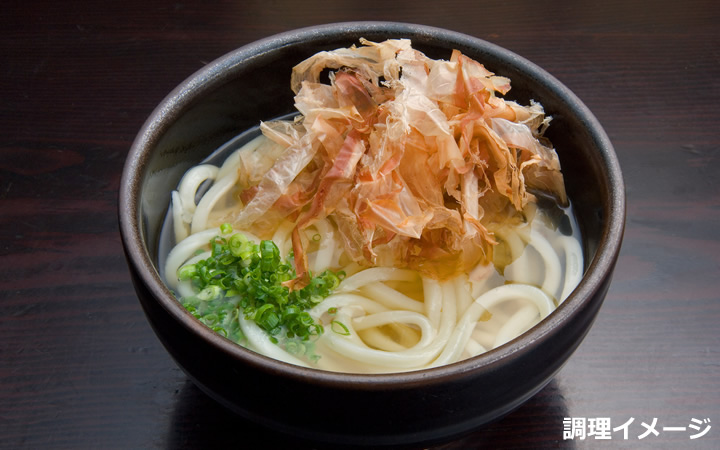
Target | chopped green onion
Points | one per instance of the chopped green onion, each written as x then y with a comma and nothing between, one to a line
226,228
243,277
210,293
339,328
187,272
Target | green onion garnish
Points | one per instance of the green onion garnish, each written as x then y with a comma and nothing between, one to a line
243,277
226,228
339,328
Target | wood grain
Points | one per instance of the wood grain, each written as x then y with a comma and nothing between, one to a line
81,368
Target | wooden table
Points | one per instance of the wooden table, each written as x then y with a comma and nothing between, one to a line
79,364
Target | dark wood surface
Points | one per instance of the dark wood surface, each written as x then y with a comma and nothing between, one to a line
80,366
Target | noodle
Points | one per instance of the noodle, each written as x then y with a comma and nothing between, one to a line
209,200
391,297
430,273
451,322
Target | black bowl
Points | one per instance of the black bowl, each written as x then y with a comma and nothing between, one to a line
251,84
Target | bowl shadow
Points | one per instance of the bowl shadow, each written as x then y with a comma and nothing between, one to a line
200,422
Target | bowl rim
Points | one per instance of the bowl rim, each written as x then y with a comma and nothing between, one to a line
207,78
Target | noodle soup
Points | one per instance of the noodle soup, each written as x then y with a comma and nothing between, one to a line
408,218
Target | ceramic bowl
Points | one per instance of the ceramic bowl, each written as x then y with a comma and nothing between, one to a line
250,84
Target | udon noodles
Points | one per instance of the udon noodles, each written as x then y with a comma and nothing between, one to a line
440,204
